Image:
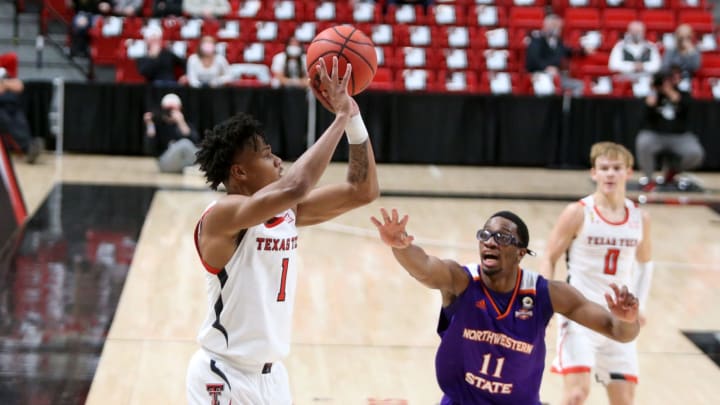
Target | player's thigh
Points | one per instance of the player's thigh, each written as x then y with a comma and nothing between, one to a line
618,362
576,348
210,381
205,383
621,392
276,385
577,381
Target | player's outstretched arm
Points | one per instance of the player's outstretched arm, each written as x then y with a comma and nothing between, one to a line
360,187
642,276
235,212
566,227
444,275
620,323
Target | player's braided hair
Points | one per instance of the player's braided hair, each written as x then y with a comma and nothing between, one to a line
218,148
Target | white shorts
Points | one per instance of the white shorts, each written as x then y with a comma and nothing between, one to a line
212,382
581,350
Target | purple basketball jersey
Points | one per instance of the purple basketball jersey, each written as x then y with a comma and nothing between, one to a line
490,353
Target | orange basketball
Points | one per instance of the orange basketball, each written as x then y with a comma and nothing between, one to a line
350,45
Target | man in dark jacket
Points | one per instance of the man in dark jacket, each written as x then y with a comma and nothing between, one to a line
546,54
666,131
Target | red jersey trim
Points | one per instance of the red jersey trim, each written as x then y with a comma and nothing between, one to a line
208,267
627,377
274,222
512,299
623,222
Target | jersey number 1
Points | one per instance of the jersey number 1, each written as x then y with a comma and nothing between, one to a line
611,259
281,293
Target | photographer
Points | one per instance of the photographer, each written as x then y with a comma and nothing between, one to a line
666,131
12,117
169,137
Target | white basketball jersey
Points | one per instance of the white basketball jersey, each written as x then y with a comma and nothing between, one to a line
604,252
251,299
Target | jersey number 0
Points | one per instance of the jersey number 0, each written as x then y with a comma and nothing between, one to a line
611,259
281,293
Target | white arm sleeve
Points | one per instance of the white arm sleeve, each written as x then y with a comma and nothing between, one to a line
642,278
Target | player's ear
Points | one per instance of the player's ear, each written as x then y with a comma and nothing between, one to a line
238,171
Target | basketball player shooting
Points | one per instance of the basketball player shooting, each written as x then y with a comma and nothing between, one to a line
247,241
494,313
604,235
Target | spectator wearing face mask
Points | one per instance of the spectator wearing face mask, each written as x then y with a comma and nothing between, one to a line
634,55
288,66
546,53
684,56
169,137
206,68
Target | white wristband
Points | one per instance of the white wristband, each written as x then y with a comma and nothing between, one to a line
355,131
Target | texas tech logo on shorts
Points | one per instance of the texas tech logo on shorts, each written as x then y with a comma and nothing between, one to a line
215,391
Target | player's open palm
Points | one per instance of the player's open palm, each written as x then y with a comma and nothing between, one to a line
625,305
392,229
333,89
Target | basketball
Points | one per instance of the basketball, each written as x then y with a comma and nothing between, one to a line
350,45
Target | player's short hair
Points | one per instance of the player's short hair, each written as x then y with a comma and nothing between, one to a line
522,229
611,150
221,144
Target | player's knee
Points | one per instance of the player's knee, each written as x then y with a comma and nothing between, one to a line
625,397
576,395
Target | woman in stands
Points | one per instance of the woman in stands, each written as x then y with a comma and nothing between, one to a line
206,68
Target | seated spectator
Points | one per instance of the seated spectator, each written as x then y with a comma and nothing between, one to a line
12,118
158,65
665,131
684,55
127,8
169,137
206,8
546,53
633,55
289,66
165,8
206,68
86,11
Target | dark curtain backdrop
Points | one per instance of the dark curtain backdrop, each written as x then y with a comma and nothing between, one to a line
37,99
458,129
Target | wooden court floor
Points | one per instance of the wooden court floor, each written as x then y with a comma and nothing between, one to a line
364,330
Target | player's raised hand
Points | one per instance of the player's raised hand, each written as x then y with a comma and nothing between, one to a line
392,229
625,305
331,89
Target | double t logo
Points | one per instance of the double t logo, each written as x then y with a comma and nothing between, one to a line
215,391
